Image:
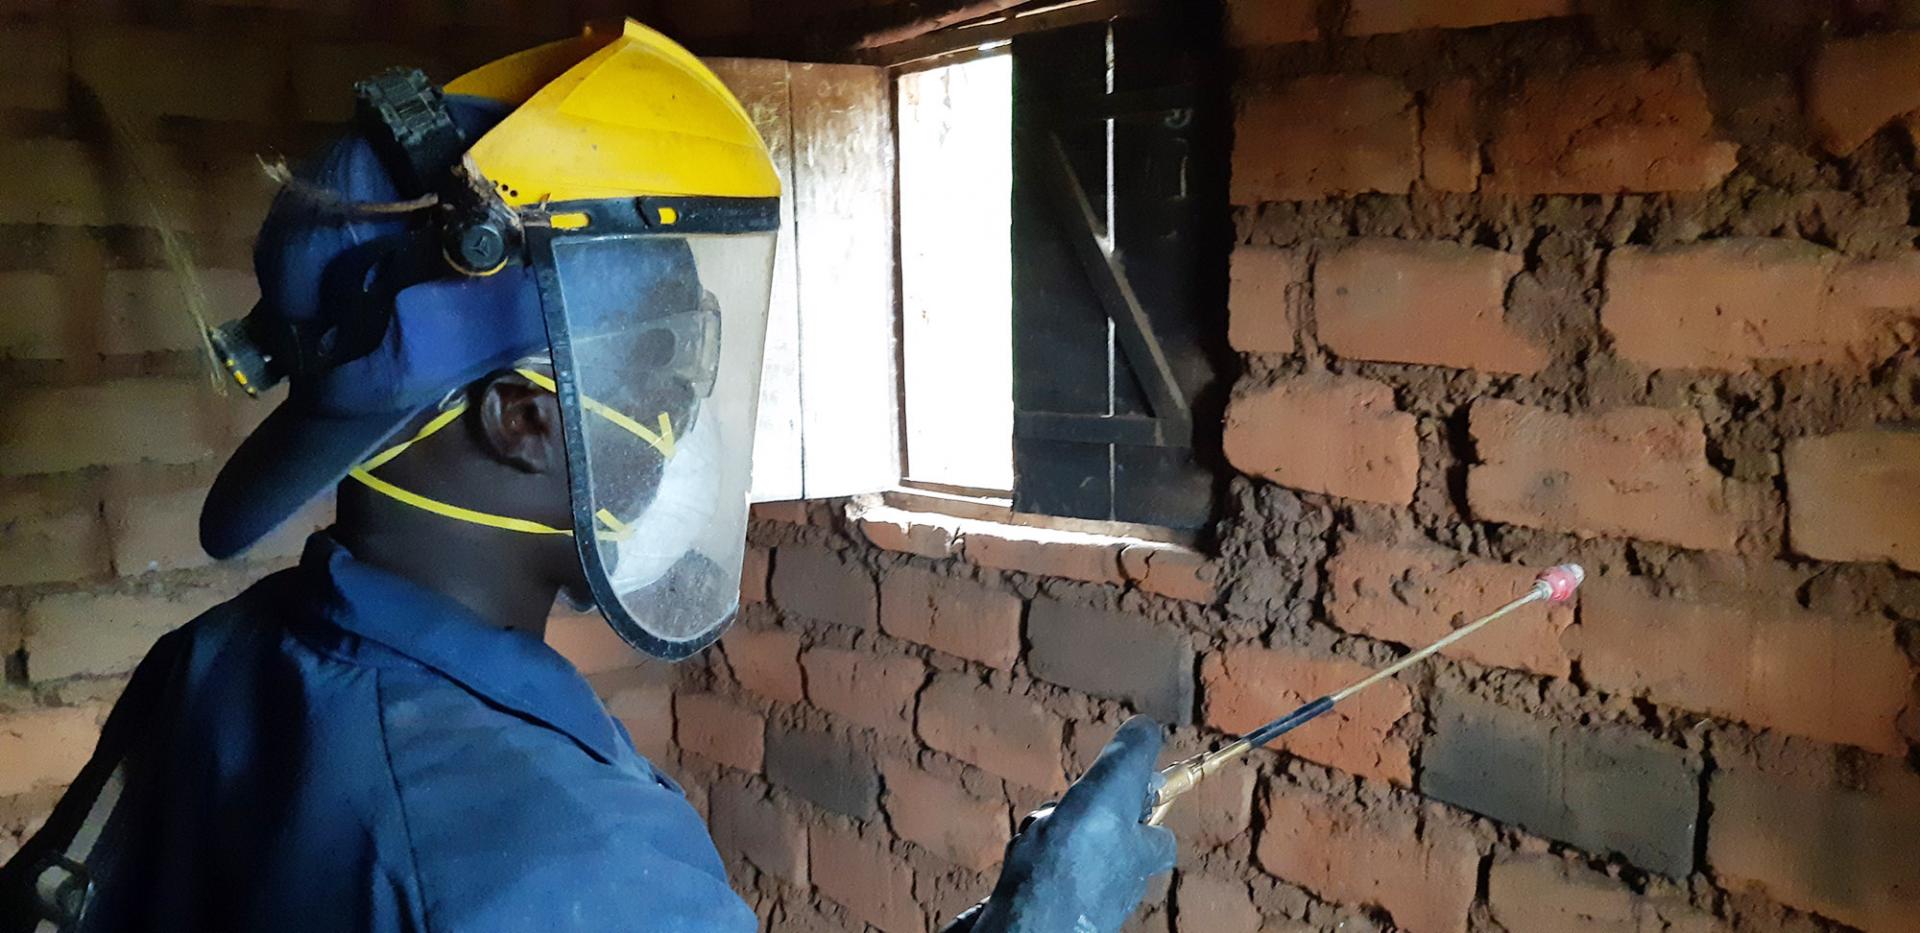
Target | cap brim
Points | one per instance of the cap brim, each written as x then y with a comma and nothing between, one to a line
293,456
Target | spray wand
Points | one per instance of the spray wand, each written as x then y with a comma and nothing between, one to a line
1555,585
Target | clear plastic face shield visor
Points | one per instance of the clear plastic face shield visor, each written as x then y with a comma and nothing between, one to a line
656,315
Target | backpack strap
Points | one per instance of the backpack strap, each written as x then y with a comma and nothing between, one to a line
46,887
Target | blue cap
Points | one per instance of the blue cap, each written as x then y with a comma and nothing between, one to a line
311,263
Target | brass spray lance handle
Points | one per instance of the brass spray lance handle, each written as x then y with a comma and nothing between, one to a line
1554,585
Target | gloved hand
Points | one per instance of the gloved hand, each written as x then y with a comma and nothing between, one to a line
1083,865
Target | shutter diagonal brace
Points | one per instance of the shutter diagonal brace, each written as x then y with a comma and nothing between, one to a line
1107,272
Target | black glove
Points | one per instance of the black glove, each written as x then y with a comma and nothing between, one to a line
1082,866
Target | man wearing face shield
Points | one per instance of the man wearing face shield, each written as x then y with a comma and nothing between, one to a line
522,321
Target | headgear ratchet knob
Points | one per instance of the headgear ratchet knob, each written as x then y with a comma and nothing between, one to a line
1561,581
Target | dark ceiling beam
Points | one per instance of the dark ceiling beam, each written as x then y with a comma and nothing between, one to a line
919,18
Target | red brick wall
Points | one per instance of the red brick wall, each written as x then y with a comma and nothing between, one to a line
1515,283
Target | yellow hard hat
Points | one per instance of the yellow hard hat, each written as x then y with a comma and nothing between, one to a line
615,112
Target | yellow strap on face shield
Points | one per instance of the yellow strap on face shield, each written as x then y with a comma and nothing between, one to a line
662,441
616,529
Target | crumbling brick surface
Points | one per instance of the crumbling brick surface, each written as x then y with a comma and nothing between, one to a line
824,769
1857,85
1422,876
1630,472
1603,789
817,584
1511,284
1148,666
959,617
1011,736
1606,129
1832,850
1437,303
1837,679
1324,136
1263,304
1849,496
1333,434
1248,686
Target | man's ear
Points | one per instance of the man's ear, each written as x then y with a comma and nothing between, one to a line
519,424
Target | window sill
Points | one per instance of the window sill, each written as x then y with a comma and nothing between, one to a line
990,534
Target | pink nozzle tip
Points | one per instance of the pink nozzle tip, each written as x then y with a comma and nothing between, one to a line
1561,581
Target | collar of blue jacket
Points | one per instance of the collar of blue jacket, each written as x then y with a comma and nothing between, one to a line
511,670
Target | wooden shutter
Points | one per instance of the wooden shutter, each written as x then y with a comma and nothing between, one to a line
1119,246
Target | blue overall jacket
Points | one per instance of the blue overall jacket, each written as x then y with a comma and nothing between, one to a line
338,749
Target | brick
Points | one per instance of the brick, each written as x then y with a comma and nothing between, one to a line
788,511
1169,570
44,747
1415,595
1441,304
125,421
1850,496
765,661
1856,86
1884,293
1546,892
812,582
772,837
641,698
1271,22
719,730
1215,905
13,630
1608,129
1749,304
1626,472
909,533
1422,877
588,642
1073,555
57,181
1764,662
34,323
869,690
1339,435
1842,853
1247,686
107,633
1266,289
959,617
1216,812
1449,141
872,883
1373,17
197,73
47,548
33,67
939,816
1324,136
153,524
1010,736
754,564
148,310
1147,666
1602,788
824,769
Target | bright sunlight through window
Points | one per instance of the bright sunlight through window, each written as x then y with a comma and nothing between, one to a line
956,177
